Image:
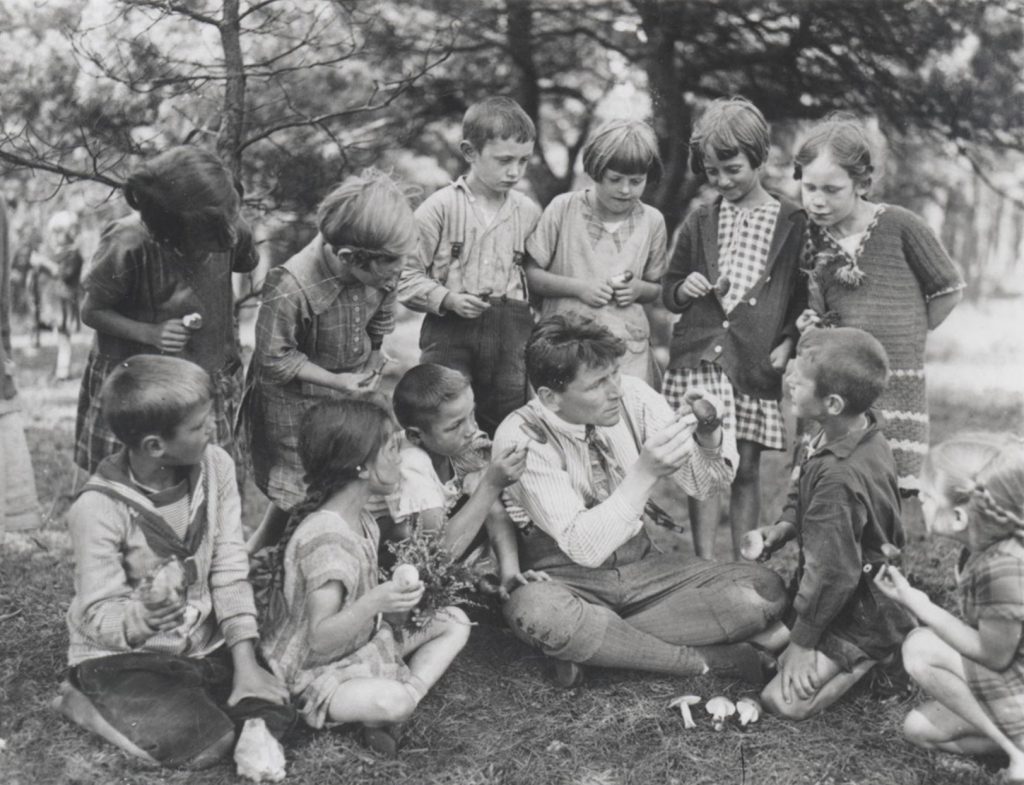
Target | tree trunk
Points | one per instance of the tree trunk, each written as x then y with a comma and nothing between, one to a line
232,128
671,114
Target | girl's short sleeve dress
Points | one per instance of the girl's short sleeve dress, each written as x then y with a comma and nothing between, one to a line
325,548
991,586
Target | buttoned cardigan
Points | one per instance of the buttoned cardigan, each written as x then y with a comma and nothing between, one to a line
740,341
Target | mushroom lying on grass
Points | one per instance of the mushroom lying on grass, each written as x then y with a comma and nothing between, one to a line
748,711
683,703
720,709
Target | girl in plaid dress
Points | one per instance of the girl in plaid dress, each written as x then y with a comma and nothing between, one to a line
322,320
972,490
331,640
152,269
733,280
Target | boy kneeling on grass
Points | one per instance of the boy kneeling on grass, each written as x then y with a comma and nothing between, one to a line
842,509
451,484
161,581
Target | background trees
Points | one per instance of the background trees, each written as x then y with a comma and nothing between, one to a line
294,93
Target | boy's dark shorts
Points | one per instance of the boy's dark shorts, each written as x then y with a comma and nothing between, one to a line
173,708
869,627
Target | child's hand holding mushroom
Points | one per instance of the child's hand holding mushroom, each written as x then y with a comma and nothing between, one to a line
892,583
760,544
158,605
625,288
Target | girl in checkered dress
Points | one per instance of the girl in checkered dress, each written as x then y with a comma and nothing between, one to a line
337,637
733,279
972,490
160,283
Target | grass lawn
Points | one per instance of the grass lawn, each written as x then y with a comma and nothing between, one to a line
496,717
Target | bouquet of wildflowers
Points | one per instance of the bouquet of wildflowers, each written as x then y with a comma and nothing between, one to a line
445,581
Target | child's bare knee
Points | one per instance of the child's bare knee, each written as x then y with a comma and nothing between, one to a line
918,653
773,702
917,730
394,704
455,624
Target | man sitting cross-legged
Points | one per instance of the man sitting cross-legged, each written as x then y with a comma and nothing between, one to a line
599,442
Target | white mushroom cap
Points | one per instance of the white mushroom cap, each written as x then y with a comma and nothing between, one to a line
720,708
749,710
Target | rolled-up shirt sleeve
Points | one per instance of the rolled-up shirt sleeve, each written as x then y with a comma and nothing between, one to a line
706,469
383,320
283,317
416,289
547,494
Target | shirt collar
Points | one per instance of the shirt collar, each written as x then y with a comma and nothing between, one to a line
573,430
590,213
510,203
843,448
319,275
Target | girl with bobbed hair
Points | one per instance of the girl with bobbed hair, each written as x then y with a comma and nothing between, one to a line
600,251
321,324
160,283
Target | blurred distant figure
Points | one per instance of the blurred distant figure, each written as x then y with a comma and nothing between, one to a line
55,274
19,505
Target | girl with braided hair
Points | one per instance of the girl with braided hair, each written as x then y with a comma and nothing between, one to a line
329,638
972,490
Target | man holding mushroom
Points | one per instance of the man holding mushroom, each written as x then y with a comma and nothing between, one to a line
599,444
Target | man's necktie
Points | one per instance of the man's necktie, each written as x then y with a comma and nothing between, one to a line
606,474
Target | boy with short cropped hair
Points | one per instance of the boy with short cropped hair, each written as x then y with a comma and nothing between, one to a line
161,581
450,482
842,509
468,277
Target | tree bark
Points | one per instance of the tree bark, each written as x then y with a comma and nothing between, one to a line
232,128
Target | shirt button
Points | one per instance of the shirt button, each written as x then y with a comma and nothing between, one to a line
766,280
753,301
718,350
725,324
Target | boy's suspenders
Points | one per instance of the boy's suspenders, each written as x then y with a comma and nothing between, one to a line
455,237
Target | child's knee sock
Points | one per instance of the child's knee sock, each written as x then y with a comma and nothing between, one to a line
624,646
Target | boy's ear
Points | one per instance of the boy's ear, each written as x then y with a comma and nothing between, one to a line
468,151
549,398
152,446
835,404
414,435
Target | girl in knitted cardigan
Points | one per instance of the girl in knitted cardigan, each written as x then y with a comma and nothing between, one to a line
877,267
